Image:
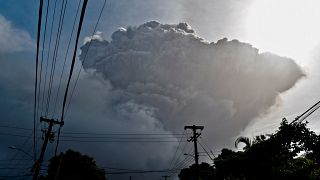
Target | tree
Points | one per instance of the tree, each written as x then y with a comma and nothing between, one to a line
204,171
248,142
244,140
74,165
275,156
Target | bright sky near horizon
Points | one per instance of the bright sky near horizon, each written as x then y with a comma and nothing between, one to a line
288,28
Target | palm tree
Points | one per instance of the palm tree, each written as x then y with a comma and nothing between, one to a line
244,140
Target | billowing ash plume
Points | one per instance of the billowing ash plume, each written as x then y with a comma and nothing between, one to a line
168,76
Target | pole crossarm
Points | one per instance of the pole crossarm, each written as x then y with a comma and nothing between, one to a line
42,119
37,165
194,138
194,127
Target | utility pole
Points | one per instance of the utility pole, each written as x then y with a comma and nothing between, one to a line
130,178
48,136
194,138
165,177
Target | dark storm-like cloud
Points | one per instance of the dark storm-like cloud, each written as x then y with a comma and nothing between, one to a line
170,77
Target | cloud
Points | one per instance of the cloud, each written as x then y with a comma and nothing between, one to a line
157,78
94,109
162,77
13,39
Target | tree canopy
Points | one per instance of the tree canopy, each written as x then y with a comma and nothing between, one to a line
292,152
74,165
205,171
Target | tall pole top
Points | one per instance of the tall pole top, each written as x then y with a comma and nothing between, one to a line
194,127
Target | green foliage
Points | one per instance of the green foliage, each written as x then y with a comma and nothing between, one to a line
276,156
74,165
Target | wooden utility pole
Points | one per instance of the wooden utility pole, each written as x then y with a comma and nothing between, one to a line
37,165
194,138
165,177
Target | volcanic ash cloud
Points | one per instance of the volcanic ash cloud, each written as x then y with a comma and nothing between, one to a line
170,76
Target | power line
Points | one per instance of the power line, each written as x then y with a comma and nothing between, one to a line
55,52
181,165
14,167
83,10
54,109
101,138
206,151
16,135
1,160
16,176
124,134
204,142
113,141
185,163
66,55
174,156
15,127
85,56
105,134
48,55
43,43
19,153
143,172
74,57
183,149
117,137
186,160
311,110
307,113
177,164
36,82
37,164
72,65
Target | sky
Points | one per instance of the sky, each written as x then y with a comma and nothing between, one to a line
153,67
